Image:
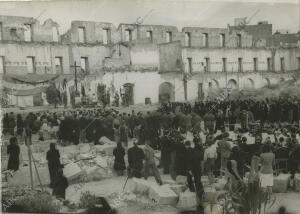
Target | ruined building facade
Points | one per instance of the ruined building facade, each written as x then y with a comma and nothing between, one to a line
153,61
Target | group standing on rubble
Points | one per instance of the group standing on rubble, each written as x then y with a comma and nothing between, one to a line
167,130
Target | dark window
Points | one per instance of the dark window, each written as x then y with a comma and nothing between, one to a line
240,64
282,64
239,40
190,68
149,35
269,64
207,64
128,35
255,64
169,36
224,66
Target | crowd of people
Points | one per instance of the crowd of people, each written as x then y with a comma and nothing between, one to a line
194,140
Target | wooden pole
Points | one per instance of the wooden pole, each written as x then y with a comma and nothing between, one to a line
75,73
30,165
37,173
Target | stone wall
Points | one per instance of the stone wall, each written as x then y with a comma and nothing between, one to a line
13,29
93,32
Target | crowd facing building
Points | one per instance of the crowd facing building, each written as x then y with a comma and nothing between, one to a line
147,63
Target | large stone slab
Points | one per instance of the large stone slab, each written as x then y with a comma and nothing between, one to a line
101,161
141,186
72,171
94,173
106,149
84,148
105,140
22,177
187,199
163,195
72,151
178,188
281,183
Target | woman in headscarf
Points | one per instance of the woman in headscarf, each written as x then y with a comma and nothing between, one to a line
13,150
119,165
60,185
53,162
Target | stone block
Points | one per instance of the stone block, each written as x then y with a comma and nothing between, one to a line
141,186
169,181
178,188
187,199
65,159
281,183
84,148
22,177
71,150
101,161
105,140
106,149
95,173
162,195
85,156
297,182
72,171
181,180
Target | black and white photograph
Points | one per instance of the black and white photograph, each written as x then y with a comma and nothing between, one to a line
150,106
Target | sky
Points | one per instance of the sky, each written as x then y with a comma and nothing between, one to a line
283,14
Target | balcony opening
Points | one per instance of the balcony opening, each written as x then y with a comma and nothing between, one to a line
81,35
28,32
128,35
169,36
188,39
149,35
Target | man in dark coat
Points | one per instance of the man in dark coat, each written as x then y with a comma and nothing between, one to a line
195,157
165,152
135,160
13,150
119,164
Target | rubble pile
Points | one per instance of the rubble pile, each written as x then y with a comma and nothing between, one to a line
82,162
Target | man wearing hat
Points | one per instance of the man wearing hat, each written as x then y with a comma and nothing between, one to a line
135,159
